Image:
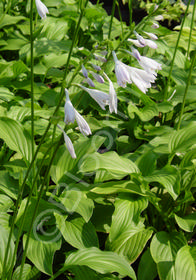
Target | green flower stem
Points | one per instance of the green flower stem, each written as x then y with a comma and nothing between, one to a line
130,12
32,87
111,20
174,55
25,210
121,21
36,208
19,198
191,28
186,90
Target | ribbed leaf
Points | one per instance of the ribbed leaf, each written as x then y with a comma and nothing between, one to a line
41,252
185,264
16,137
127,210
180,141
77,233
145,114
163,248
187,223
4,233
169,177
109,161
100,261
25,273
64,163
131,242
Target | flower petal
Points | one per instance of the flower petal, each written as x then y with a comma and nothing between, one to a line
82,124
41,9
69,110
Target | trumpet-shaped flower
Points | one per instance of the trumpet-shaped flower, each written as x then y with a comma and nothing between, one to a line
121,72
69,110
155,25
68,143
99,96
135,42
41,9
148,64
145,42
71,115
129,74
90,82
113,97
96,67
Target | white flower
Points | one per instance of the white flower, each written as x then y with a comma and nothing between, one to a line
100,58
100,97
148,64
159,17
136,43
82,124
151,35
121,73
139,77
145,42
71,115
113,97
41,9
68,143
155,25
69,110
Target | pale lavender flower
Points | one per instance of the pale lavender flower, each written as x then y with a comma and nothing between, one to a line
148,64
68,143
129,74
155,25
140,39
152,36
121,72
113,97
90,82
100,58
84,71
82,124
97,77
136,43
159,17
96,67
71,115
100,97
41,9
69,110
145,42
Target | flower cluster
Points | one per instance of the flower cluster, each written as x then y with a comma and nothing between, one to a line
142,78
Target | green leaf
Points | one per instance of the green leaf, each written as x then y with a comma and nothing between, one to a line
4,233
100,261
127,211
63,162
131,242
169,177
25,273
5,203
147,163
10,20
163,248
8,185
185,264
182,140
145,114
147,267
77,233
16,137
109,161
75,200
41,252
187,223
5,94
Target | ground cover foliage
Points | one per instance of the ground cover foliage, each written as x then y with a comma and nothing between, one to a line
124,208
